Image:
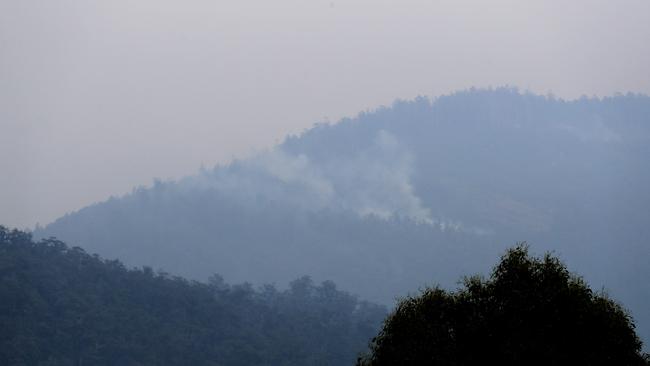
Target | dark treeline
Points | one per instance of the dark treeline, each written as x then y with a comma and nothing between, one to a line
62,306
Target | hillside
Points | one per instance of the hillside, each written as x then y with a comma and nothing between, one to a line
422,191
62,306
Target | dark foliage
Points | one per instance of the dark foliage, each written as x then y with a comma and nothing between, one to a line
530,311
62,306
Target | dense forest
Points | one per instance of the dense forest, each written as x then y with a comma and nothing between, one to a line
387,201
62,306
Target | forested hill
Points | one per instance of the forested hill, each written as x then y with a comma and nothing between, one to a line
62,306
422,191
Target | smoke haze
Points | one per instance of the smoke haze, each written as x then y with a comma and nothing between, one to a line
106,94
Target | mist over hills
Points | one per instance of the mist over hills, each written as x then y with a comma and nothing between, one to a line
420,192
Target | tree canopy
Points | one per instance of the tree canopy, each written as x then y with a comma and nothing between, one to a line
62,306
530,311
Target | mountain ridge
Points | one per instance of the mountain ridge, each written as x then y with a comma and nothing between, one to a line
424,190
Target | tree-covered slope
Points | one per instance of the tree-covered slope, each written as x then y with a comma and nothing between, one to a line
397,197
62,306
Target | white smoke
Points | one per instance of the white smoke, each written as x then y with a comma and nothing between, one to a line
374,182
377,181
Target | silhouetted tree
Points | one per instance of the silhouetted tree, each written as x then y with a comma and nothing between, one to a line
531,311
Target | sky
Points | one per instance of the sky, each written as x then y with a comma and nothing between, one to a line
97,97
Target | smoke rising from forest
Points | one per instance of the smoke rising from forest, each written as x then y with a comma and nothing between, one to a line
374,182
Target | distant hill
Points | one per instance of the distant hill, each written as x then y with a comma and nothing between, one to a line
62,306
422,191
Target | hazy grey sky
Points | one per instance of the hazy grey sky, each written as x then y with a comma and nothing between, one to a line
99,96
